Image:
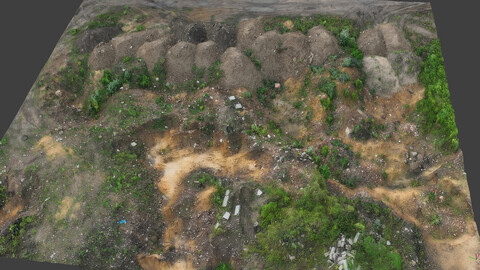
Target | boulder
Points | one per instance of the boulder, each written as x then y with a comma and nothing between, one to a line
406,66
380,75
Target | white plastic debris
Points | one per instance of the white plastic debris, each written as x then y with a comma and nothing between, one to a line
259,192
226,215
388,243
227,192
238,106
225,201
216,225
356,237
231,98
133,144
277,85
237,210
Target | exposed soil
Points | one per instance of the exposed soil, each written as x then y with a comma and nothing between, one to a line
119,189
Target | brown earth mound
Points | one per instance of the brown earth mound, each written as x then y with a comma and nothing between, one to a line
406,66
394,38
247,31
92,37
206,54
152,51
128,44
239,71
180,59
102,56
322,44
371,42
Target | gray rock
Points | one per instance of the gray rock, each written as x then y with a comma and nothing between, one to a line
380,75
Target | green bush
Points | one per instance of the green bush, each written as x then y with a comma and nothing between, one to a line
372,255
437,115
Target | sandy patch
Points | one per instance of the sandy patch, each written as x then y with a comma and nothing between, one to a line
52,148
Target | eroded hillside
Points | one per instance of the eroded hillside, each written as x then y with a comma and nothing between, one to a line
172,139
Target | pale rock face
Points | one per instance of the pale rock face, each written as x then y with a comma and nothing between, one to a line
380,75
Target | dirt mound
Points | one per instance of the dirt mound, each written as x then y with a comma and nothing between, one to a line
91,37
152,51
239,71
406,66
281,56
102,56
247,31
265,48
206,54
128,44
180,60
295,51
380,75
371,42
224,35
322,44
394,38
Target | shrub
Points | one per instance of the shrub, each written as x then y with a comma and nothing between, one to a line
437,115
372,255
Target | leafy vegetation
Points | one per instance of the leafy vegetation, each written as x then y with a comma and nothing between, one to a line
10,242
305,227
254,60
437,115
73,76
366,129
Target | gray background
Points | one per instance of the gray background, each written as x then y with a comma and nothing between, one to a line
31,29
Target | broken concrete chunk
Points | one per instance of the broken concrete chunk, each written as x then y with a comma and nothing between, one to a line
238,106
231,98
226,215
356,237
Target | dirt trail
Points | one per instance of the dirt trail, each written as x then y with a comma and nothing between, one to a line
177,163
203,202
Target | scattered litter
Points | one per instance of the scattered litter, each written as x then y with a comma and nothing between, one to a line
133,144
226,215
216,225
225,201
277,85
259,192
227,192
231,98
388,243
238,106
237,210
123,221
